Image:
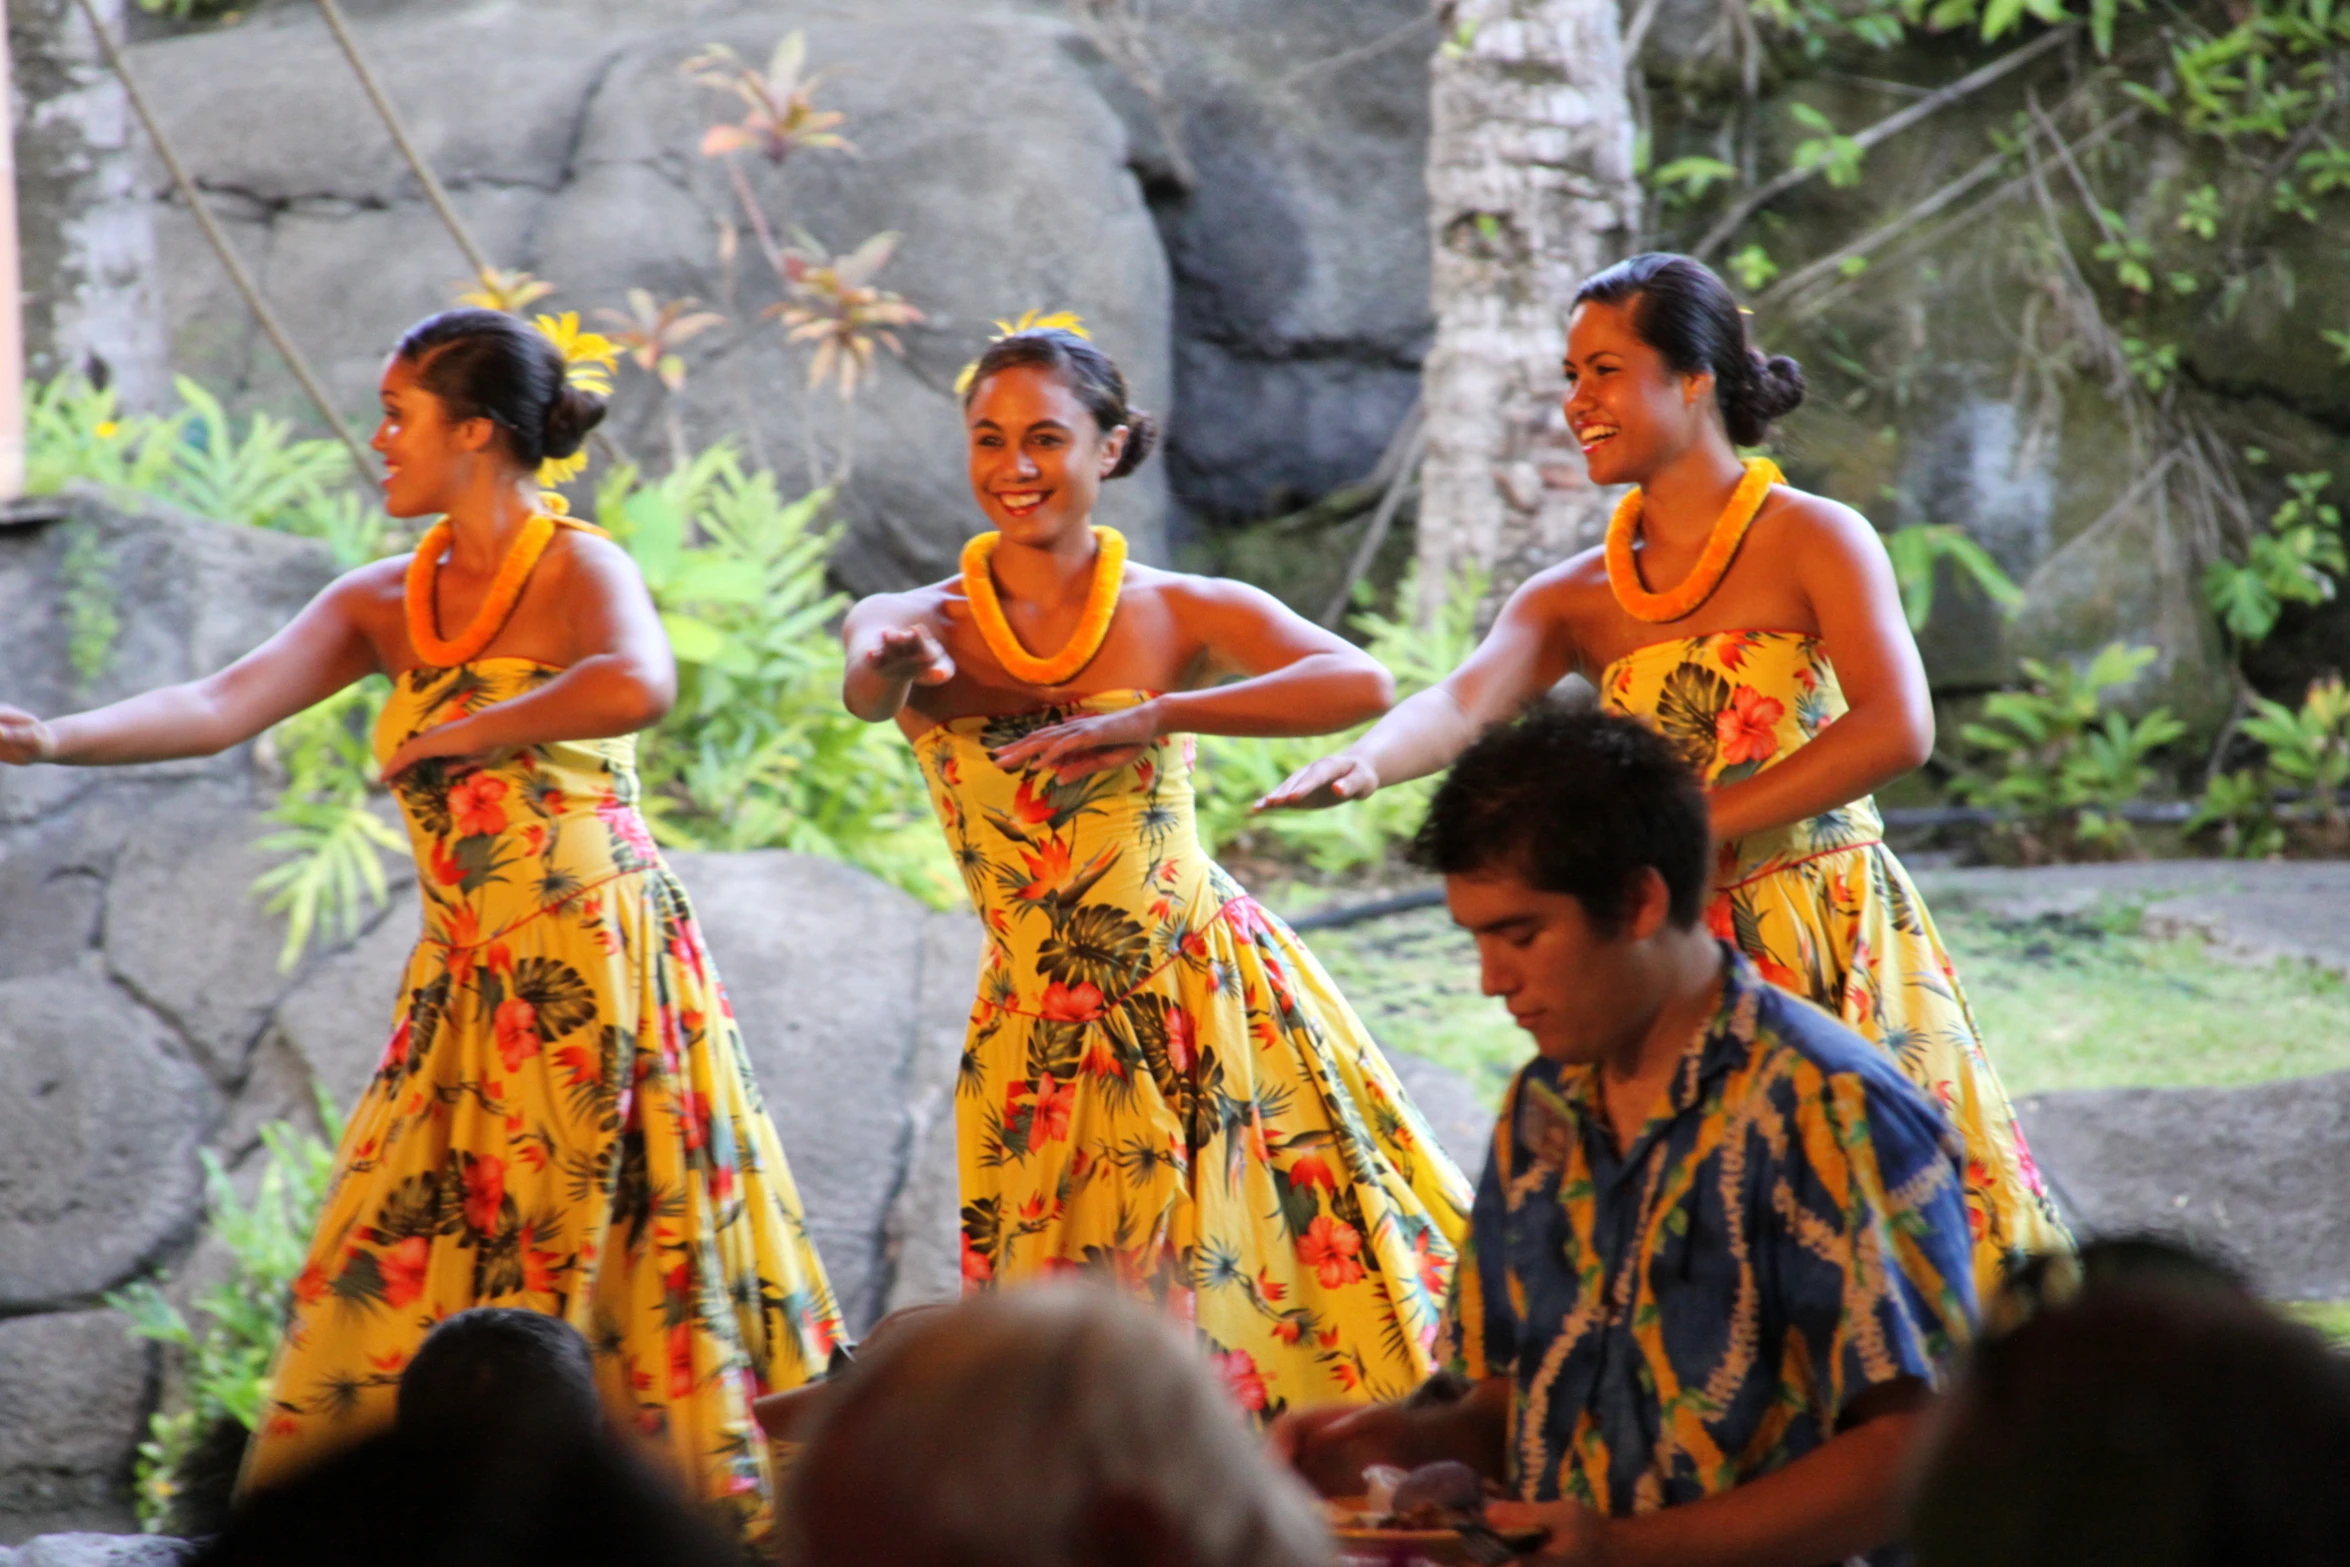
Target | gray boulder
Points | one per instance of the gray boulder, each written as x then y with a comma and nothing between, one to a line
567,135
74,1388
103,1550
840,982
99,1123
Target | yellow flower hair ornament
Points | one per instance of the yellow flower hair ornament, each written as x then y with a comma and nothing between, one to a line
1030,321
589,358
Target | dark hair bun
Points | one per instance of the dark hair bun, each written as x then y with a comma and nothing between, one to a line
1771,389
1142,438
570,417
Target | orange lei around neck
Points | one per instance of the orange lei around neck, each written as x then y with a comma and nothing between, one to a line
1093,626
497,606
1721,547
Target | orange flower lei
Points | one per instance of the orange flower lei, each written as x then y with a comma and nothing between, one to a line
1093,627
1623,575
424,573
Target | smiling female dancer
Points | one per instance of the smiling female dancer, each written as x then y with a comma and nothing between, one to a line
1784,671
1160,1083
563,1119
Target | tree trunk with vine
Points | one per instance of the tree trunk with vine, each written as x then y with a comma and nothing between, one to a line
1531,189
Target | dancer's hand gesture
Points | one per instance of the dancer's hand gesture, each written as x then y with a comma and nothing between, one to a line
24,739
911,653
1333,780
1078,747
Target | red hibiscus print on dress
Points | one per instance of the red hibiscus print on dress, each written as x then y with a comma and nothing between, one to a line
977,1270
478,805
517,1025
1747,730
485,1190
1053,1100
402,1270
1079,1003
1182,1040
1331,1247
1242,1379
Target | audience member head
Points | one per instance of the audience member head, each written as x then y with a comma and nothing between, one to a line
2148,1413
496,1380
1574,846
1058,1425
393,1501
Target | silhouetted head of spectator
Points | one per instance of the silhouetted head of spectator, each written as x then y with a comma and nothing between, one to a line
2158,1417
496,1381
395,1501
1058,1425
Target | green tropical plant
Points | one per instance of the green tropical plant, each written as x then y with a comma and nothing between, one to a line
2306,753
262,477
2294,560
74,430
1234,773
326,820
1918,552
2061,759
225,1353
758,751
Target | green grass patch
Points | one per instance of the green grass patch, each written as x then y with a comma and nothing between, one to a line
2070,1001
2065,1001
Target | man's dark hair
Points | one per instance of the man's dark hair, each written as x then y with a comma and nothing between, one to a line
495,1378
1576,803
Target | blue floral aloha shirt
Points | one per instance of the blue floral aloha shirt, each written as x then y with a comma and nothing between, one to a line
1787,1233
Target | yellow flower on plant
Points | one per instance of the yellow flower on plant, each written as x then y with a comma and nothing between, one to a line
107,430
498,289
589,358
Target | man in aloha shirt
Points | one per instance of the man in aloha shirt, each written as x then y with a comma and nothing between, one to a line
1719,1255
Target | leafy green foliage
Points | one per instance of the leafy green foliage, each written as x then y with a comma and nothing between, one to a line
2293,561
758,752
226,1353
1235,773
1837,157
2062,758
1691,176
326,820
1918,552
92,612
2307,754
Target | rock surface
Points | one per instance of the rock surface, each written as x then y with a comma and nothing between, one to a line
73,1399
100,1550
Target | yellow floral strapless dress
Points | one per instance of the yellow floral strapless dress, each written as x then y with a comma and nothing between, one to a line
564,1120
1825,909
1161,1085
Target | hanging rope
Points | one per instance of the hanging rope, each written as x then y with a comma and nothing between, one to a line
234,263
433,192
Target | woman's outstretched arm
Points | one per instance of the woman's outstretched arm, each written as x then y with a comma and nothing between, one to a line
1297,679
1889,727
890,651
322,650
624,680
1526,653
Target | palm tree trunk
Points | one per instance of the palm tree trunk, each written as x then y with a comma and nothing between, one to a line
1531,189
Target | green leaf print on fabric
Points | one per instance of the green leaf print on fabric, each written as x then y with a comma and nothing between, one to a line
1688,712
1099,946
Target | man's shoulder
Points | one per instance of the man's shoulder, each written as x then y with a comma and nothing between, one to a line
1798,1033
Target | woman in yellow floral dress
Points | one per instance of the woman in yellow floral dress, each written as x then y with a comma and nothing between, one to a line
564,1118
1160,1084
1780,664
